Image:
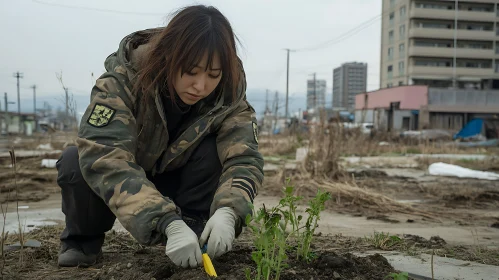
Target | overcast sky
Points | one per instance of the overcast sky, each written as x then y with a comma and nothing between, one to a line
40,40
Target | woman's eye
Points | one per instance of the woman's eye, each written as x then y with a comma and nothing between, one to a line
214,77
191,74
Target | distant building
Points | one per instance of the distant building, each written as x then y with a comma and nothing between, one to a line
316,94
11,123
430,43
348,80
422,107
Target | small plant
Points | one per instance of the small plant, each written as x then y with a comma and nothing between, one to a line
287,206
4,236
270,243
20,228
316,206
383,241
398,276
271,238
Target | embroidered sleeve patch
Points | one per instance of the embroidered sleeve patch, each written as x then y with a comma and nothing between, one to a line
255,132
101,115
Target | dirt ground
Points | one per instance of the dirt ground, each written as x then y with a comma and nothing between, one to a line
375,194
125,259
34,182
398,197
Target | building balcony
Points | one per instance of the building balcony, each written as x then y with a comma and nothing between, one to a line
449,52
441,33
448,71
450,14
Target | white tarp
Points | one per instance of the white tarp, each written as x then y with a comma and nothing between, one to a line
301,154
444,169
48,163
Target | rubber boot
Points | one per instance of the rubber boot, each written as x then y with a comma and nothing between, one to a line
74,256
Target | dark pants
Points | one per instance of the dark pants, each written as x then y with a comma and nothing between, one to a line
191,187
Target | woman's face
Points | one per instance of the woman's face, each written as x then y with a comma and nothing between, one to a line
198,84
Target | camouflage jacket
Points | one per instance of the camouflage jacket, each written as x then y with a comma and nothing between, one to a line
116,148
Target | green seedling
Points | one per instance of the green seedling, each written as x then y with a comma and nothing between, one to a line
287,206
316,206
272,239
270,243
398,276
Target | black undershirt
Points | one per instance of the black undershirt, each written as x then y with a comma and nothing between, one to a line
175,113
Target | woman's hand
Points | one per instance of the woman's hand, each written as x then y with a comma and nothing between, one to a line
219,232
182,245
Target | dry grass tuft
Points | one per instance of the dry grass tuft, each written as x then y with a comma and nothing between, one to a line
351,195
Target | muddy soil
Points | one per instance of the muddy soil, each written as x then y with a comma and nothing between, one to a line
467,202
125,259
33,182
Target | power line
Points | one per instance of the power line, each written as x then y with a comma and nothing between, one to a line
345,35
96,9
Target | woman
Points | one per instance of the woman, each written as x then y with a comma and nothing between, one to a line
168,145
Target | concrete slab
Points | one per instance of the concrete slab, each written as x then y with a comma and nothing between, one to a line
380,161
453,156
33,218
30,153
348,225
444,268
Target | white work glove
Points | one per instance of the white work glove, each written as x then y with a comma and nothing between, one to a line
182,245
220,232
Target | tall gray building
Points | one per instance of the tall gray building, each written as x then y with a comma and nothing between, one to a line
316,94
348,80
440,44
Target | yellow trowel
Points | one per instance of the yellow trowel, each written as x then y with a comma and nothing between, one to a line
208,265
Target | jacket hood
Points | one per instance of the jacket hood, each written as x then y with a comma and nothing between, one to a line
133,49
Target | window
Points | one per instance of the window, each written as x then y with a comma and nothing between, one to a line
392,18
392,3
390,37
389,85
474,64
402,12
433,63
402,31
432,44
497,48
433,25
497,67
435,6
390,72
480,9
401,68
390,53
402,50
401,83
406,123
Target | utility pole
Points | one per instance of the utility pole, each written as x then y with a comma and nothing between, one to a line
34,106
7,120
18,76
287,81
266,101
67,101
6,116
315,91
276,109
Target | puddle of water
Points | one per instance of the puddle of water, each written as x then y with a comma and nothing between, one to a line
412,201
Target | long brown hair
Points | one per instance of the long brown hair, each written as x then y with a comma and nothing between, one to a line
180,46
